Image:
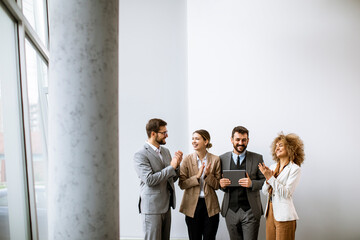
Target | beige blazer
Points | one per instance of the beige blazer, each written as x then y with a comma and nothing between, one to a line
189,182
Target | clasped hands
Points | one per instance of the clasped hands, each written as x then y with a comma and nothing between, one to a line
176,160
201,169
244,182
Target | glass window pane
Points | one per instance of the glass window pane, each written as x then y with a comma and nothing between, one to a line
4,212
35,13
7,71
36,81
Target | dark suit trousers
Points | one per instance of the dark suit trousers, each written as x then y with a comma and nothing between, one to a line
242,225
202,226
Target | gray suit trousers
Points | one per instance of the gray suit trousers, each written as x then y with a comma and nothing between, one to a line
242,225
157,226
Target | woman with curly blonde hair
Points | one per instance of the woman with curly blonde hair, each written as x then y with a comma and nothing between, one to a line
281,181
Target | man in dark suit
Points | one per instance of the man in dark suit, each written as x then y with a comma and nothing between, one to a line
241,205
157,173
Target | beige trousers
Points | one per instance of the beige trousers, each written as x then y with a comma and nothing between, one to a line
278,230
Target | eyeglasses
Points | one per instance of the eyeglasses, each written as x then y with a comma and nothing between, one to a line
163,133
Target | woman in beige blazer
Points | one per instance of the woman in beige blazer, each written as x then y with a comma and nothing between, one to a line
199,176
281,181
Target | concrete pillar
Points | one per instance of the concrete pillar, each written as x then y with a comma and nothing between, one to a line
83,120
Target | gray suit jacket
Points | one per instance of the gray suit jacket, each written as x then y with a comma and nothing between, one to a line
257,178
155,176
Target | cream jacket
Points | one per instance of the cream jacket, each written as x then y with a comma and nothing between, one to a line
283,188
189,182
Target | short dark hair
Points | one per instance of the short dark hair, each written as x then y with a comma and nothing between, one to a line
154,125
239,129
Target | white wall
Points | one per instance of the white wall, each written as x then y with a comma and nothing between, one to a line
153,83
268,65
284,66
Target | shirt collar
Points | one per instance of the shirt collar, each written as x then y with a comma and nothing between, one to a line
242,155
198,159
153,147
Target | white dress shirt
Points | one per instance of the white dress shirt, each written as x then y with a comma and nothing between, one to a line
157,150
242,157
202,194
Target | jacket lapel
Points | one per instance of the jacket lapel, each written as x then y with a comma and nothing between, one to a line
229,158
153,153
209,160
165,159
285,171
249,162
194,164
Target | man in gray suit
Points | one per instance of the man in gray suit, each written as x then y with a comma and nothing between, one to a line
157,172
241,205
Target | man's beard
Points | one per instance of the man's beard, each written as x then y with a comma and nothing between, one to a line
161,142
236,147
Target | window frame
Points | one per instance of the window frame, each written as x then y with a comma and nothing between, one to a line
25,31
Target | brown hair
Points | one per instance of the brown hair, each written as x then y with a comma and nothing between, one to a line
154,125
239,129
294,147
205,135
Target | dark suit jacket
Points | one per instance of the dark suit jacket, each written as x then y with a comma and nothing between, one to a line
257,178
155,176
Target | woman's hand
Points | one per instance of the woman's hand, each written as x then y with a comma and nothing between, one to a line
266,171
201,169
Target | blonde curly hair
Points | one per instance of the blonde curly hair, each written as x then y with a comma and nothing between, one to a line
294,147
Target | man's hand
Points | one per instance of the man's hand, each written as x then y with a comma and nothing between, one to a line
245,182
224,182
176,160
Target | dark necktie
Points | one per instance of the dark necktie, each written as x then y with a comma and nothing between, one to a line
238,162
